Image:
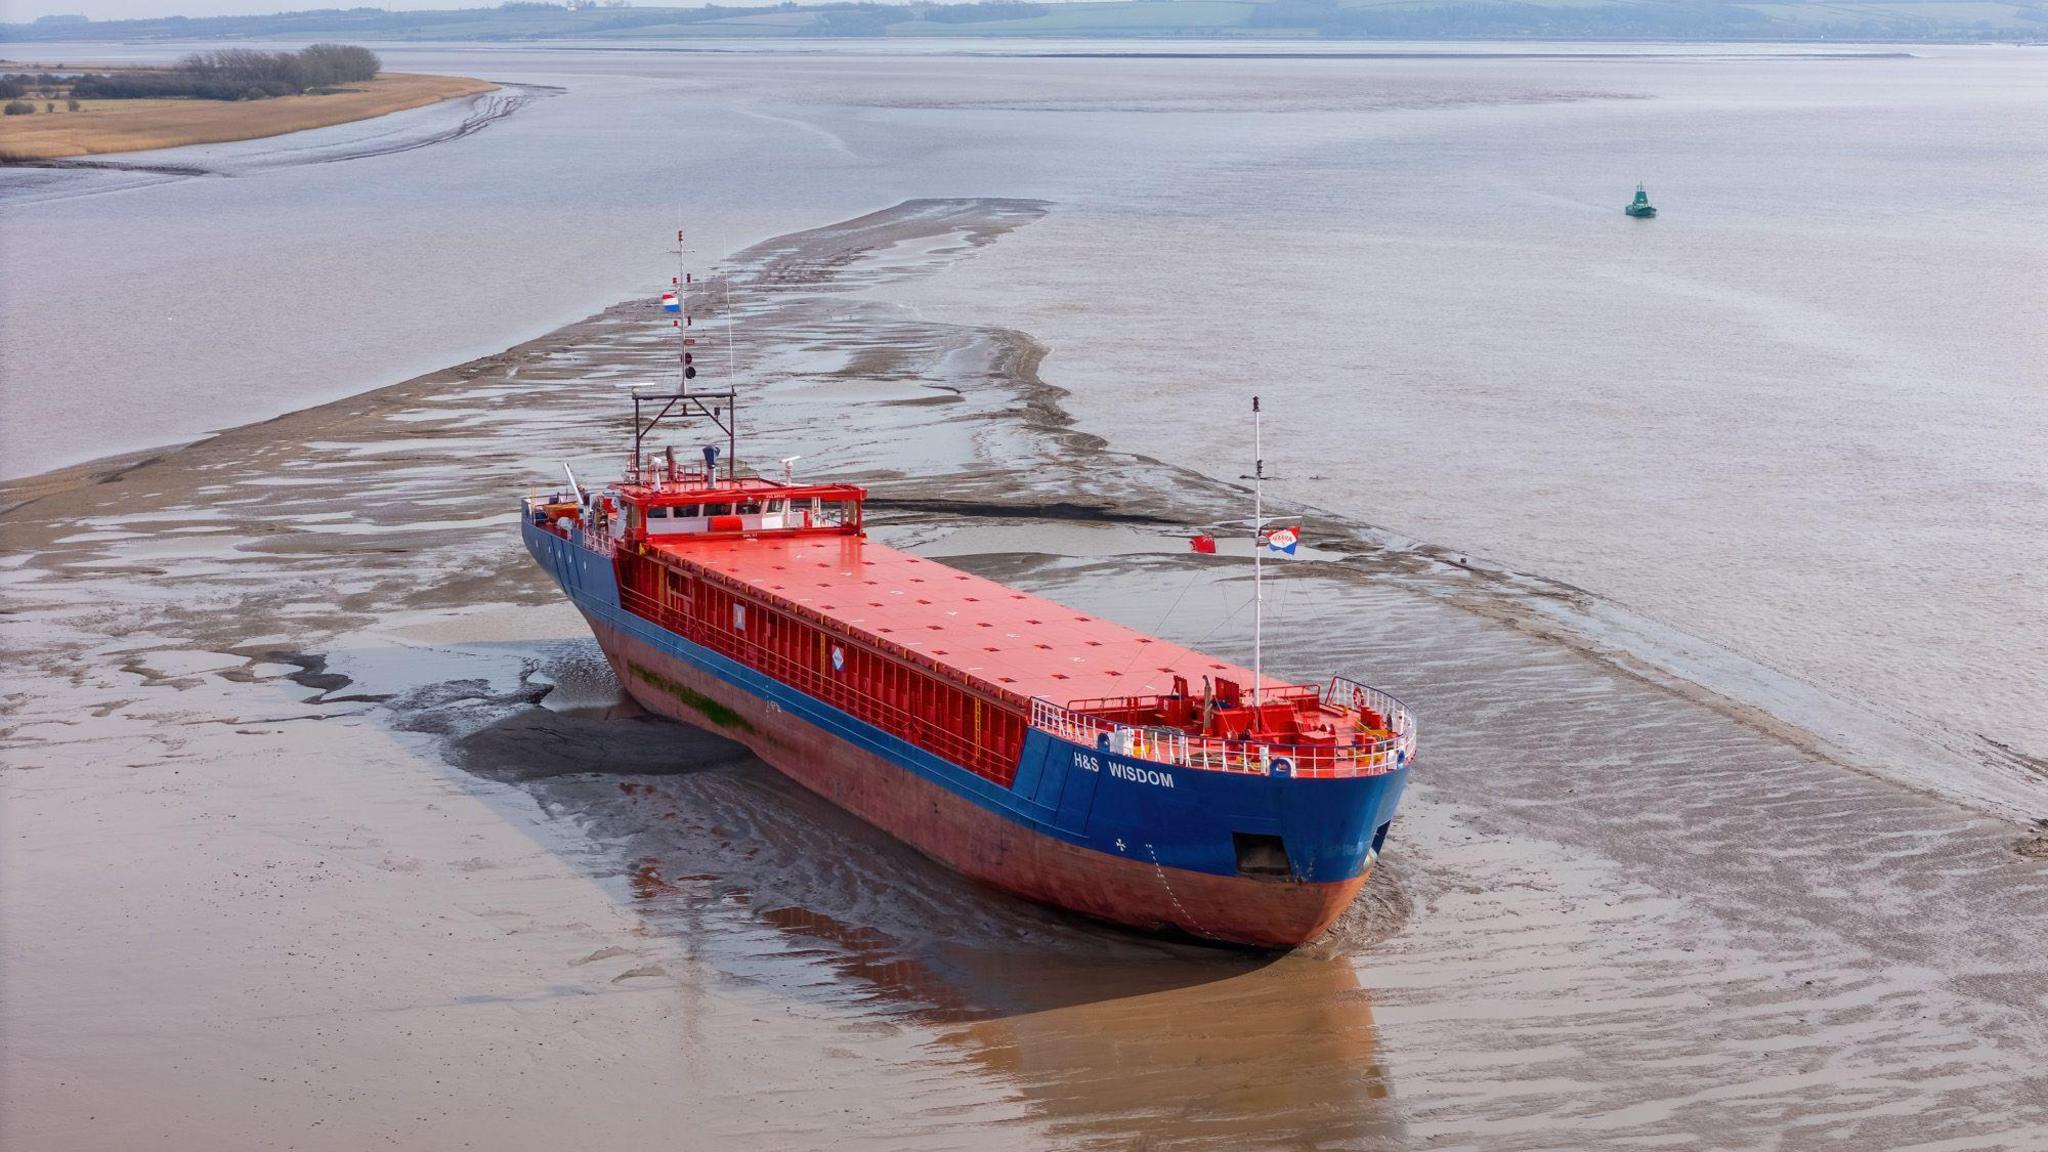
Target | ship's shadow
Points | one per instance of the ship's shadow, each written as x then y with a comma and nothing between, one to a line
706,839
1117,1039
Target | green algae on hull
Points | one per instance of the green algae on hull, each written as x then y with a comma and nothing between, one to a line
713,711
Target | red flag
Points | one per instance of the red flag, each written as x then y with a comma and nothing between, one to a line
1204,543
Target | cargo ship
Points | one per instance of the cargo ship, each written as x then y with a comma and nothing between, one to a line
1042,750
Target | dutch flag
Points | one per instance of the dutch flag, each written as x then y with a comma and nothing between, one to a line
1283,540
669,303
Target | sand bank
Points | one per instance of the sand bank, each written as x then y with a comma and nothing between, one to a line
325,825
107,126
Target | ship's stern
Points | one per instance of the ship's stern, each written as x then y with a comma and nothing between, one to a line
1266,858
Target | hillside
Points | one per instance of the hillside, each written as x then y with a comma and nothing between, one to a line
1272,19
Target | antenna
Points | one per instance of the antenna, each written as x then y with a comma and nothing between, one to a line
789,469
731,360
1258,563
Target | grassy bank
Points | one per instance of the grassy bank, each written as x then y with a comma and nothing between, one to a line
103,126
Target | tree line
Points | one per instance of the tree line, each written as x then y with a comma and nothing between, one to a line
237,74
984,11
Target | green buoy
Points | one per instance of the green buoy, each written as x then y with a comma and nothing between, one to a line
1641,209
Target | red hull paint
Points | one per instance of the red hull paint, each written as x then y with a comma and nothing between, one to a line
979,843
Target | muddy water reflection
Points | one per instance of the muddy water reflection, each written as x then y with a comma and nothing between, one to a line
1134,1043
1276,1053
1111,1038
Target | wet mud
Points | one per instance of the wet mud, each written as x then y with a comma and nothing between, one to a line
323,810
404,131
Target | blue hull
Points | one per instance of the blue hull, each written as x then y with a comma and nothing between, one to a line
1190,826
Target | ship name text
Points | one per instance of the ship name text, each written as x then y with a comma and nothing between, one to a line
1140,775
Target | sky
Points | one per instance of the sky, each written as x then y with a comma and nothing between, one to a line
17,11
20,11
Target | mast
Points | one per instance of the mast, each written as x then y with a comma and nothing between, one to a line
682,281
1258,560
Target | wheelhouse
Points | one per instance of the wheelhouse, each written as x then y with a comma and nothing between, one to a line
692,504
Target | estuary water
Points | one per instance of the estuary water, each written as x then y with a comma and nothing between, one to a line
323,823
1786,441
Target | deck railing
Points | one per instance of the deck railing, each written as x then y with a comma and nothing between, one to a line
1073,722
1186,750
582,532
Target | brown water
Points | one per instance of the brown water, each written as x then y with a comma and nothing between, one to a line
325,826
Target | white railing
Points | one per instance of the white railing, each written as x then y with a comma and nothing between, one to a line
584,532
1078,727
1182,749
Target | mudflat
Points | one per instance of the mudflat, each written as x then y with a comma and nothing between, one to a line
104,126
323,823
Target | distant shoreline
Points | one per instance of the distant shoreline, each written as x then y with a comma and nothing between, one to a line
655,21
109,127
